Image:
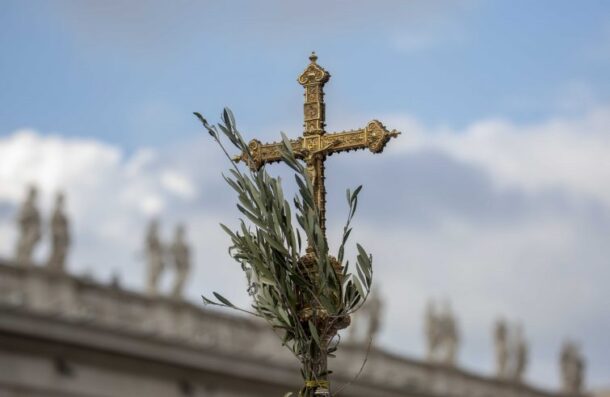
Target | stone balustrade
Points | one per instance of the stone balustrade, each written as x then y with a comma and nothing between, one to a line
80,301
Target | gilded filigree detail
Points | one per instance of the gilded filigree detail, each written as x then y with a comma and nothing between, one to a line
314,73
373,137
316,144
311,111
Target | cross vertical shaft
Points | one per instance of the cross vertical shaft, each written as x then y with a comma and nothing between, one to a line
315,171
314,114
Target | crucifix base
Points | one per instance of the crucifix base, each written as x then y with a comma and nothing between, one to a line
311,308
325,324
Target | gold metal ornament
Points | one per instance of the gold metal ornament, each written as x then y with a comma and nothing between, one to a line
315,144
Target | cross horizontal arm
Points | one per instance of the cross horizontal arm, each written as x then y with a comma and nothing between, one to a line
267,153
374,137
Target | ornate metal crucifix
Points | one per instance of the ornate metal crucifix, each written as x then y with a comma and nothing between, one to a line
315,144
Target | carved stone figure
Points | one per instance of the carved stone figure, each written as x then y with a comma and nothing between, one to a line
115,281
572,366
501,347
520,355
60,235
367,321
154,257
375,311
442,335
28,222
182,262
449,335
431,331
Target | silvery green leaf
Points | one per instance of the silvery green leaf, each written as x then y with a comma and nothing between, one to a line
314,333
223,300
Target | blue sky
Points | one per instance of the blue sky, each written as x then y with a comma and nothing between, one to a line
497,192
127,73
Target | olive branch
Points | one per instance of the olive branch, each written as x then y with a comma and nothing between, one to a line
304,294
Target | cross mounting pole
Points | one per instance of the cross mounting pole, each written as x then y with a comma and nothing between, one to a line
315,144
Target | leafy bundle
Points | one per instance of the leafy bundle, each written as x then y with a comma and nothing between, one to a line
304,294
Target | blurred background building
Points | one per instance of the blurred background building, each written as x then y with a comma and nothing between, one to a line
62,335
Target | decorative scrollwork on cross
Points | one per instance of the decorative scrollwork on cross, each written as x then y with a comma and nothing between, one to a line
315,144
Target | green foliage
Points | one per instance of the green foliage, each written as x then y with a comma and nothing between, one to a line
269,247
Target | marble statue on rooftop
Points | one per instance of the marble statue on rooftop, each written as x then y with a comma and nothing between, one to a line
520,355
375,312
29,224
154,258
501,348
450,337
442,336
182,261
431,330
572,365
60,235
367,322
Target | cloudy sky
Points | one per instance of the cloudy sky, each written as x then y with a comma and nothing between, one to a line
496,196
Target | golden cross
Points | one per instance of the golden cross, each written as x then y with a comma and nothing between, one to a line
315,144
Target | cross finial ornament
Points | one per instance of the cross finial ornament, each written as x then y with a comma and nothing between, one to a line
313,57
315,144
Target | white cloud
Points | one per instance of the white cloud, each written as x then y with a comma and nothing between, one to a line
110,195
178,184
566,154
51,162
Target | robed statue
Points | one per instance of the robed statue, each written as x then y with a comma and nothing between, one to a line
431,331
60,235
512,351
442,336
375,307
180,253
572,366
154,258
449,332
501,348
367,322
29,226
520,355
